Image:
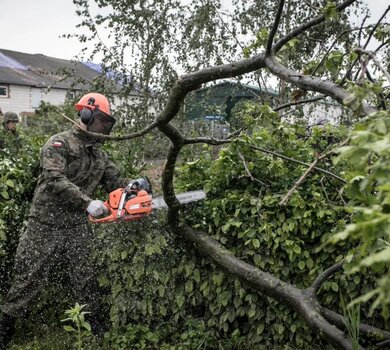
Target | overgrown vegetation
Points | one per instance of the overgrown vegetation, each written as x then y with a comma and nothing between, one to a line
158,287
279,210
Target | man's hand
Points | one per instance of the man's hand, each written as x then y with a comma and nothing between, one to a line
96,208
139,184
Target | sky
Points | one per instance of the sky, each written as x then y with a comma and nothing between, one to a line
35,26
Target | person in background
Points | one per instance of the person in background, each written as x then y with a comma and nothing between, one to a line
9,137
58,233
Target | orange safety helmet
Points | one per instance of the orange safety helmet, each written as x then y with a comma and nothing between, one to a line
89,106
94,100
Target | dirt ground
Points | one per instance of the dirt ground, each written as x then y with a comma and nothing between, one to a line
153,170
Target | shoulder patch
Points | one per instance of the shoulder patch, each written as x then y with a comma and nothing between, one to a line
57,144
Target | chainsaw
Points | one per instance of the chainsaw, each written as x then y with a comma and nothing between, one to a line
129,203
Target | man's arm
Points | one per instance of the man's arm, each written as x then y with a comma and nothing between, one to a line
54,163
111,179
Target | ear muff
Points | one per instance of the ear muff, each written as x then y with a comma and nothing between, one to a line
86,115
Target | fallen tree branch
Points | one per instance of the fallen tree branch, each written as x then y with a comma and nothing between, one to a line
298,183
279,155
248,172
307,172
310,83
297,299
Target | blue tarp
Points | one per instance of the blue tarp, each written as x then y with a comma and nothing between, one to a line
9,62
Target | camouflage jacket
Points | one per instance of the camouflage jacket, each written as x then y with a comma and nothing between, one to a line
72,166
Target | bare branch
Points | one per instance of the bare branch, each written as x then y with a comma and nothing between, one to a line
375,59
322,277
307,172
113,137
274,27
299,30
298,183
248,172
332,45
279,155
365,46
295,103
207,140
375,27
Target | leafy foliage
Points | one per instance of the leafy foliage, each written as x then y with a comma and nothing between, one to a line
157,279
369,190
18,173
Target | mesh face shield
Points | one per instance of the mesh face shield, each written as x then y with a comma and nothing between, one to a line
101,123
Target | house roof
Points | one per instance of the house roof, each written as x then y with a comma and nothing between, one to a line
43,71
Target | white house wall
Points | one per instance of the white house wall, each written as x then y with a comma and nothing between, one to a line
18,101
25,99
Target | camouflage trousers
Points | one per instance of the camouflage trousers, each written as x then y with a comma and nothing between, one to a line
41,251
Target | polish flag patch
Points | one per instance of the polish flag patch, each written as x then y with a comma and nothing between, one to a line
56,144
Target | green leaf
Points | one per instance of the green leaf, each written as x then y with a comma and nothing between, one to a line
256,243
251,313
297,249
309,263
381,257
69,329
10,183
334,286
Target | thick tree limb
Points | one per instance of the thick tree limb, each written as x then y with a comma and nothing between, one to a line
298,300
310,83
208,140
192,81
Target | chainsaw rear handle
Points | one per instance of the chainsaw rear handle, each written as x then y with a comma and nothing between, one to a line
142,183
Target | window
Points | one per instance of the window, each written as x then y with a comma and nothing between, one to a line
71,95
4,91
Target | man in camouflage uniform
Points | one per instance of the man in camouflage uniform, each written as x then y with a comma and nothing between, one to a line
9,137
72,166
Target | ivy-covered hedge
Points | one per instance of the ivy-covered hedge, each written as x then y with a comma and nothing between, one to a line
156,278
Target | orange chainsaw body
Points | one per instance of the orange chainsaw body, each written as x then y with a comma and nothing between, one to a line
125,207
